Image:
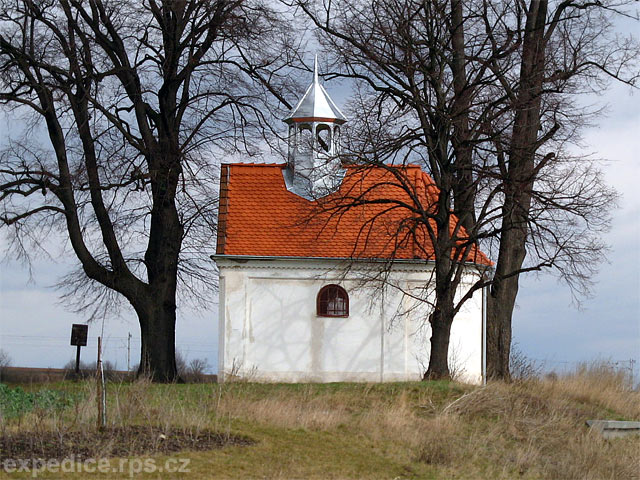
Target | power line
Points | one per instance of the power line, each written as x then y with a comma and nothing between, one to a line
46,338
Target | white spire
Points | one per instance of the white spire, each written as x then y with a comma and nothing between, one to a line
314,168
316,103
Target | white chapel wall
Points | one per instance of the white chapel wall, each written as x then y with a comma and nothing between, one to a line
269,329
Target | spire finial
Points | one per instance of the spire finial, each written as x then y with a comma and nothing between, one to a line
315,69
315,103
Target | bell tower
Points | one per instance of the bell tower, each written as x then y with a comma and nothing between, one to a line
313,165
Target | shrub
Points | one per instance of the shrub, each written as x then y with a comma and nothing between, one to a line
194,371
88,369
15,402
5,361
521,366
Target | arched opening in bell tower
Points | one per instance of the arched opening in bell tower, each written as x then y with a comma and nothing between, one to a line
323,138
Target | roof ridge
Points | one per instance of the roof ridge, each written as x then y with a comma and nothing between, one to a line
408,166
241,164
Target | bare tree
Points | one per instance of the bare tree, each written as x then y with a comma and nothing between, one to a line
553,206
456,87
136,101
5,359
399,54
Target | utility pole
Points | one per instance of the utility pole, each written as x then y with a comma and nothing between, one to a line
129,352
101,390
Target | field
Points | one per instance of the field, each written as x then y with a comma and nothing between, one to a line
528,429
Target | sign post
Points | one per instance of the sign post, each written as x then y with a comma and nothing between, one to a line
79,339
78,347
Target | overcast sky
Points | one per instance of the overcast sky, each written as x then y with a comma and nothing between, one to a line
546,324
548,327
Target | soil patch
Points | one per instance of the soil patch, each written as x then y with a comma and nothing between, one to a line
34,448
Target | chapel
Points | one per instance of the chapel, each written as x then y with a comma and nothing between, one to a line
313,290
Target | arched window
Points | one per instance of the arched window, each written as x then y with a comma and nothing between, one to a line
323,137
332,301
305,138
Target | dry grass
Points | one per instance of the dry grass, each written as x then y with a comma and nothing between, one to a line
528,429
599,384
283,410
535,429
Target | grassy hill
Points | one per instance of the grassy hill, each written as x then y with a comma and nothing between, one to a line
530,429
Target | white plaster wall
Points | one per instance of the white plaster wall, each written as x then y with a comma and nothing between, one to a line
269,329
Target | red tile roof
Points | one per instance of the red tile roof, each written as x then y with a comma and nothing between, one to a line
260,217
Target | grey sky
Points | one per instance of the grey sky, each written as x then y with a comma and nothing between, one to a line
546,324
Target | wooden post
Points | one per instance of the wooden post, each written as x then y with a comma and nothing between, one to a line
78,360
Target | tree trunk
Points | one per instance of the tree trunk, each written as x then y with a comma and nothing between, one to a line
442,316
440,333
158,332
501,301
158,317
518,186
499,311
464,190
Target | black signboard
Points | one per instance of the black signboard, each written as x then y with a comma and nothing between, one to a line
79,334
